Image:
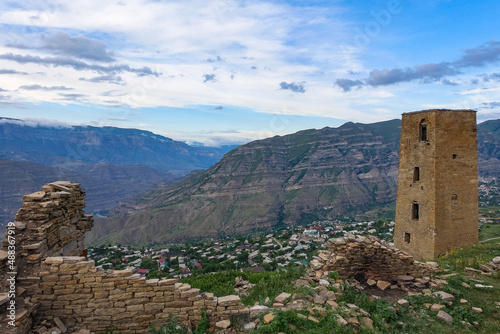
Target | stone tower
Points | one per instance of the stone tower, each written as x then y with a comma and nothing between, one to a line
437,200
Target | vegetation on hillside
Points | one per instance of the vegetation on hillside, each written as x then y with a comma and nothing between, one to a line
387,316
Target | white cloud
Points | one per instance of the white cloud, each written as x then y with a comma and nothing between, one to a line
33,122
176,38
261,43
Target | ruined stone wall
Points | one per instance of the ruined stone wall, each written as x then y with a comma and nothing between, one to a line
72,289
50,222
53,282
366,258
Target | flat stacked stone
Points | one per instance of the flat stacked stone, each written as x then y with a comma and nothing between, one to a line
367,257
50,222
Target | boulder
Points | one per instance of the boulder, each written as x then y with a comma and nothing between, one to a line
382,285
367,323
436,307
445,317
282,297
223,324
313,319
320,300
268,318
445,296
341,321
316,264
324,282
403,302
249,327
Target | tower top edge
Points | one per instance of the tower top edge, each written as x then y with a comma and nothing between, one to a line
439,111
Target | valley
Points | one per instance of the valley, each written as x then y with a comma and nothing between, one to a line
331,173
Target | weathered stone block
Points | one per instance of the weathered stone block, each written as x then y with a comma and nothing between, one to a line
151,307
50,278
178,304
121,273
170,281
162,299
122,296
144,294
135,308
109,311
189,293
36,196
228,300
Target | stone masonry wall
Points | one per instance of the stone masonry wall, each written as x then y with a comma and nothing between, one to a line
437,200
72,289
50,222
52,281
366,258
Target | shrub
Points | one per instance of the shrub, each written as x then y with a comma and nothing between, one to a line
460,314
110,330
172,327
204,325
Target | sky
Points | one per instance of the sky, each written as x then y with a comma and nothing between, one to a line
223,72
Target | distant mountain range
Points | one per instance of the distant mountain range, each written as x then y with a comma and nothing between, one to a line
293,179
113,164
67,147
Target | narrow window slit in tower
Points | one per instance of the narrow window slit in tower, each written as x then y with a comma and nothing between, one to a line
414,211
454,156
416,174
407,237
423,130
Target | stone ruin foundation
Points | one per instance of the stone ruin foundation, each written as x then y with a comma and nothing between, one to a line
366,258
51,280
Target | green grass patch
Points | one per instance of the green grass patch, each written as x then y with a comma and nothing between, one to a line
489,231
267,284
271,284
290,322
471,256
220,283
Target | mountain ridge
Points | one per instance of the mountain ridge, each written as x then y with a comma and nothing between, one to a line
292,179
278,180
55,146
113,164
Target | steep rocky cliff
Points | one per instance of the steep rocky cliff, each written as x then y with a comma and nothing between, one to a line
488,147
312,174
293,179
